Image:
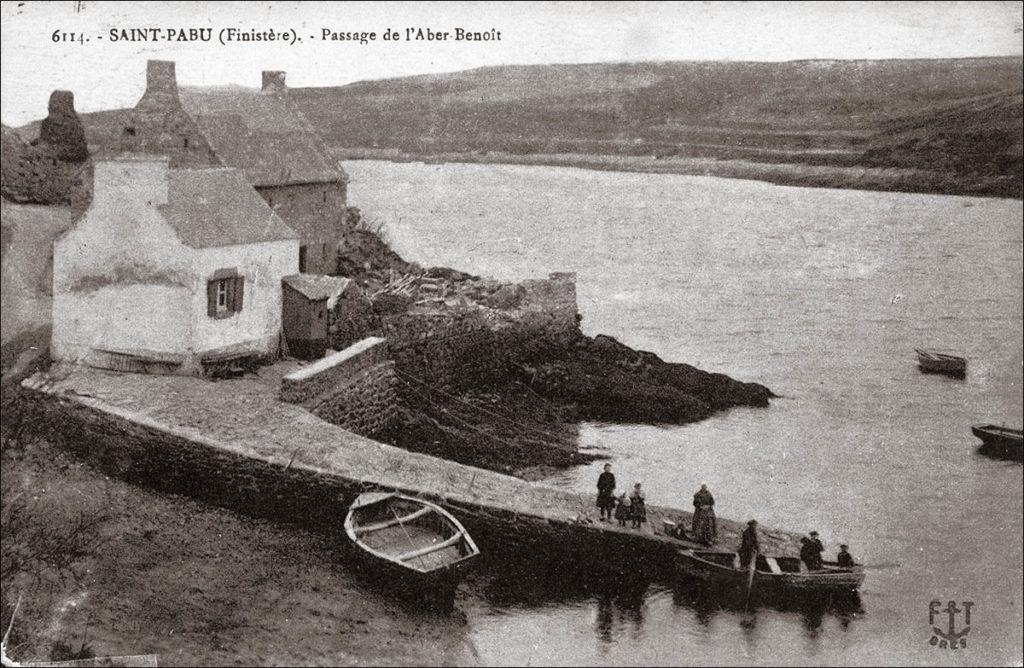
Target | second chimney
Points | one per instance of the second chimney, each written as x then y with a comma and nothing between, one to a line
160,77
273,82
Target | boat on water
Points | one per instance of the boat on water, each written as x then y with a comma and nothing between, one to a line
417,546
773,576
1002,441
937,361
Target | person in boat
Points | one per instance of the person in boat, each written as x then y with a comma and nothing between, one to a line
844,558
622,509
606,492
637,506
807,553
816,547
749,545
705,525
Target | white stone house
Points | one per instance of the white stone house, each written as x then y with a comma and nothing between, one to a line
170,271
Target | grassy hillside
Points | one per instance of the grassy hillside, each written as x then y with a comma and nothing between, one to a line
950,126
963,116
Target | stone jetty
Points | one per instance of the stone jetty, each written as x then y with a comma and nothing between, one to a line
233,443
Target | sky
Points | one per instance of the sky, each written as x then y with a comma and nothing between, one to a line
104,75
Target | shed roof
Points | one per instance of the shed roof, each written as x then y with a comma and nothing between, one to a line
261,134
218,207
317,286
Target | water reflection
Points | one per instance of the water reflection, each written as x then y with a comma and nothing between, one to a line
620,609
708,602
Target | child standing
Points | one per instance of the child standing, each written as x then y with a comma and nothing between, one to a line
622,510
638,509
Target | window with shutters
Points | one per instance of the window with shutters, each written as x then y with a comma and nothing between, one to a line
225,293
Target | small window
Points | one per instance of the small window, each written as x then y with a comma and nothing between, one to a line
302,259
325,196
185,142
225,293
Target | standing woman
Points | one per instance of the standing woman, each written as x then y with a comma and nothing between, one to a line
606,492
638,507
705,525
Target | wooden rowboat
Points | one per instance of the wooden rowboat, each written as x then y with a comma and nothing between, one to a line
935,361
414,544
773,576
1002,441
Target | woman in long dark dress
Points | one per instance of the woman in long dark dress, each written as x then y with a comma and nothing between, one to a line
705,524
606,492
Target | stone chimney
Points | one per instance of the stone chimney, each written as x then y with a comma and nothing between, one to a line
61,133
130,180
273,82
160,77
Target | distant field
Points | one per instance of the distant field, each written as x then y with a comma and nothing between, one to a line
951,126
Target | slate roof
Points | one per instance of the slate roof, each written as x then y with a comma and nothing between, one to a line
317,286
261,134
218,207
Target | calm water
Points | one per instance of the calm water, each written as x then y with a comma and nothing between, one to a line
820,294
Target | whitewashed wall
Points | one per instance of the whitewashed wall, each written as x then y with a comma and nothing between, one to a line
121,278
258,325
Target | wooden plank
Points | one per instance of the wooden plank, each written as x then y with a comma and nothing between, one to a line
406,556
377,526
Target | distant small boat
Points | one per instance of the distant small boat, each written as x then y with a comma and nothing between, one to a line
935,361
1002,441
417,545
773,576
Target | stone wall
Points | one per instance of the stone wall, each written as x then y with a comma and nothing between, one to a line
448,351
151,455
354,389
317,212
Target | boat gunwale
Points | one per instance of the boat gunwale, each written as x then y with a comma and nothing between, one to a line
833,577
996,430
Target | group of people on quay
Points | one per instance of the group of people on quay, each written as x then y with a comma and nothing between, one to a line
704,529
631,507
623,508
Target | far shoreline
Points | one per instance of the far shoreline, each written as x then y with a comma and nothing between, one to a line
879,179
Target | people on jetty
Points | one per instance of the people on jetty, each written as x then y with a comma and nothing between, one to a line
749,545
622,510
844,558
637,506
705,525
606,492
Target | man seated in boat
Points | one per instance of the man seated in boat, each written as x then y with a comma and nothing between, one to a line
844,558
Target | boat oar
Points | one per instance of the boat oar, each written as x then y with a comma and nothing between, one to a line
750,575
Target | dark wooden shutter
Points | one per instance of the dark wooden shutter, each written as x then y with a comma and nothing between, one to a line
211,299
239,292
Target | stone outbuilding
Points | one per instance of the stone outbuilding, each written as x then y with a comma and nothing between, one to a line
308,302
170,271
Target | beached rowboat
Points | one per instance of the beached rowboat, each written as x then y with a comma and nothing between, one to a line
1000,440
773,576
935,361
417,545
